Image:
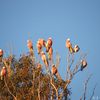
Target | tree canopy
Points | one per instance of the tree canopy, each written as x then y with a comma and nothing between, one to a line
27,78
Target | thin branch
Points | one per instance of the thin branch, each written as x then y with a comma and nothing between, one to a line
75,70
85,88
9,89
86,83
68,66
54,88
66,85
93,92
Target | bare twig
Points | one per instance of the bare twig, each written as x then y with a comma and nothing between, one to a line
68,66
54,88
83,97
93,92
86,83
65,86
75,70
9,89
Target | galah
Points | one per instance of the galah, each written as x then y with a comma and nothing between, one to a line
1,52
69,45
50,53
30,47
44,59
39,47
83,64
42,42
29,44
55,72
3,72
49,44
54,69
76,48
1,55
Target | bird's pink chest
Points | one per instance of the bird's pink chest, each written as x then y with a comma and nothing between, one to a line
4,72
68,44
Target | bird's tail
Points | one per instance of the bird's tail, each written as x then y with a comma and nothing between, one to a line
71,49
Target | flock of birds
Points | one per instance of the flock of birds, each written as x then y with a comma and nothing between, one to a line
41,43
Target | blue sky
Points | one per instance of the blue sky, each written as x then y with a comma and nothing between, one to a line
60,19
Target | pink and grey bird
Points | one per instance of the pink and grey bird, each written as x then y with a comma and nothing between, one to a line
42,42
29,44
30,47
49,44
83,64
1,55
39,47
44,59
76,48
3,72
69,45
54,70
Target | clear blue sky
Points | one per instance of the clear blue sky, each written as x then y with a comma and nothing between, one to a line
60,19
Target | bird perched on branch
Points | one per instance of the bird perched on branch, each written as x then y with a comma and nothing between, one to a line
30,47
83,64
7,63
39,47
55,72
3,72
54,69
69,45
49,44
50,53
44,59
42,42
76,48
29,44
1,54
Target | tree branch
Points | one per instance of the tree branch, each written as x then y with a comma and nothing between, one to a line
54,88
9,89
93,92
85,88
